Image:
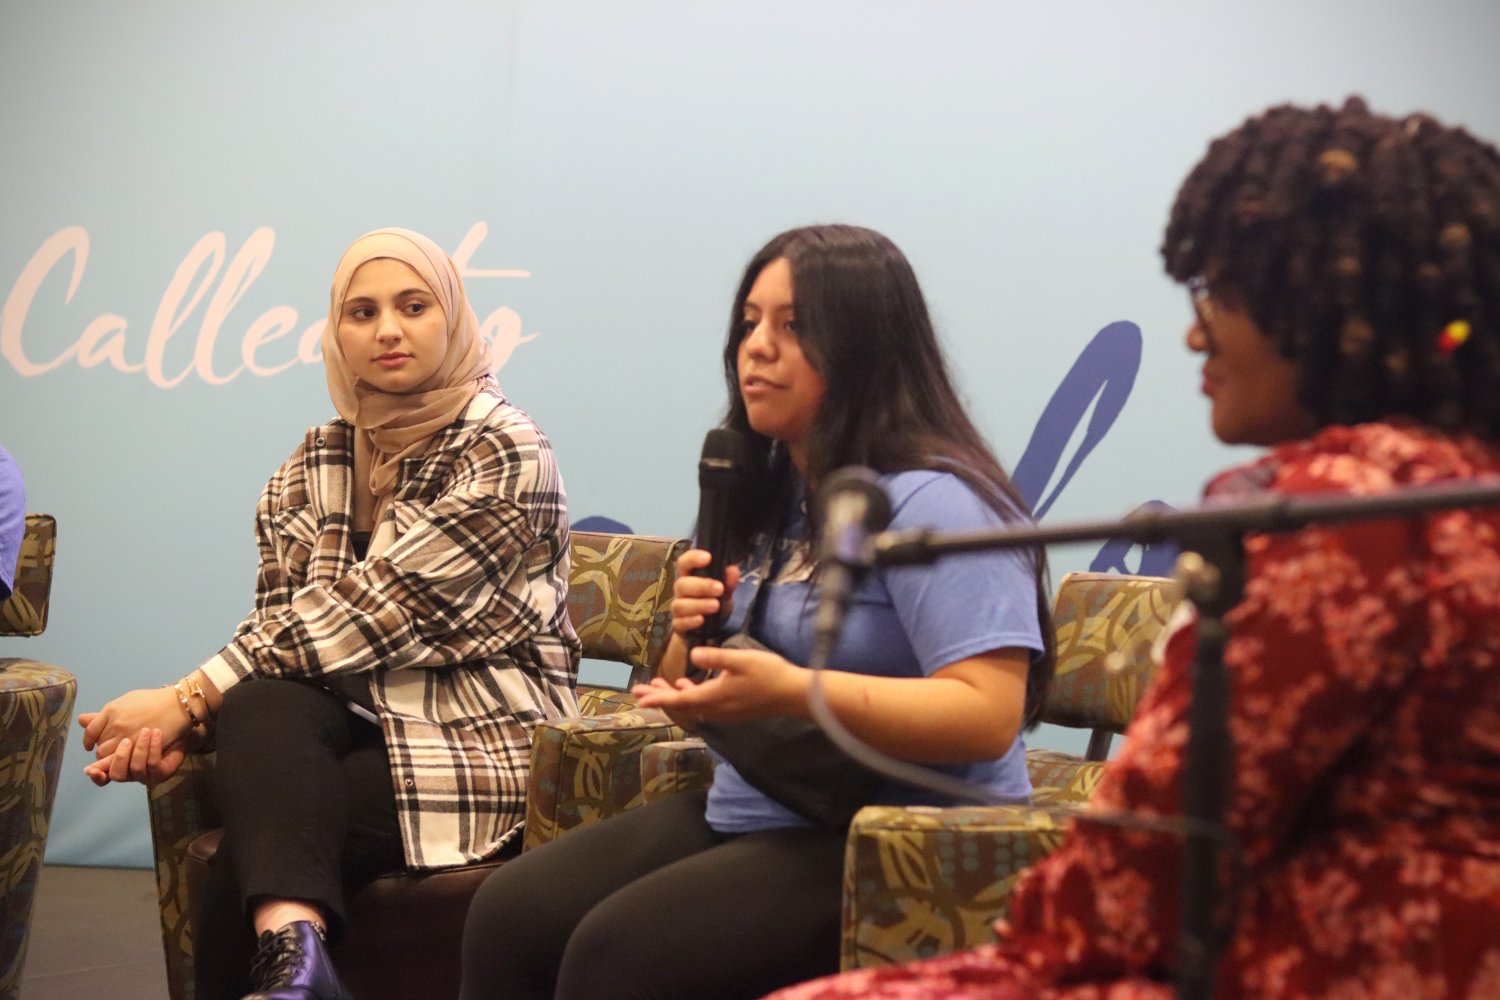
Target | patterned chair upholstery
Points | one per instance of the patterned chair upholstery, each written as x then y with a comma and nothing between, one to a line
36,705
618,600
671,767
1106,625
921,882
586,769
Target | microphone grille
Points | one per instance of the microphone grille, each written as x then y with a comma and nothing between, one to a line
726,453
856,485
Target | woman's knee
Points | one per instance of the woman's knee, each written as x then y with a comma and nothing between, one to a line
605,956
510,946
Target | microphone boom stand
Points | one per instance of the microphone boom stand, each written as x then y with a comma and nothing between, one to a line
1212,569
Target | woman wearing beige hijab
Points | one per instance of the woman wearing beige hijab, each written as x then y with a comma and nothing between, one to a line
409,615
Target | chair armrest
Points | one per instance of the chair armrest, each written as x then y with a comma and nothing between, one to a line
1064,776
587,769
921,881
595,699
181,808
676,766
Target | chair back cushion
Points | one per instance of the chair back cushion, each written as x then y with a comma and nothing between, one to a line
619,597
1106,624
25,611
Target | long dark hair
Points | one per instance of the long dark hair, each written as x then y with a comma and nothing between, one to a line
888,401
1357,242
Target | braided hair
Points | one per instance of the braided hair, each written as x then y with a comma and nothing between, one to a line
1367,248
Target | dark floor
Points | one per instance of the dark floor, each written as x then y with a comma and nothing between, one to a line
94,936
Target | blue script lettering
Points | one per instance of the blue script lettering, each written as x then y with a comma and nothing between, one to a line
1101,379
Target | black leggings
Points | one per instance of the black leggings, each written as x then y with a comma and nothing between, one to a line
304,788
654,903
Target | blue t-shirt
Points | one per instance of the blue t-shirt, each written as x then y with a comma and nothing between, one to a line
904,621
12,520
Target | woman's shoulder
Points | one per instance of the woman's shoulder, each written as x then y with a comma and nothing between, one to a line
930,485
500,445
935,498
492,416
321,446
1363,458
508,419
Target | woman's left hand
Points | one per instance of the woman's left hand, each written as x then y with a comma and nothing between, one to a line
127,715
747,684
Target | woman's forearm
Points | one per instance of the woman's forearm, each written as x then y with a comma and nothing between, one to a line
198,685
967,711
674,660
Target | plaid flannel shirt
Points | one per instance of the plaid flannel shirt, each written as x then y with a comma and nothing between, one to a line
460,626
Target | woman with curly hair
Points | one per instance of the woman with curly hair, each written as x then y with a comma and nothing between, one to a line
1344,269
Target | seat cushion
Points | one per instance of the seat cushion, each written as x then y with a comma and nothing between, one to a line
405,933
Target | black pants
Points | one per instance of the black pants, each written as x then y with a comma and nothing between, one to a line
304,788
654,903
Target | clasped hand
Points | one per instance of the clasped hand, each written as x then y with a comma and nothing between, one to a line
140,736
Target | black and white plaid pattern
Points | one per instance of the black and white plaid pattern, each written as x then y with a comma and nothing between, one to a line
460,625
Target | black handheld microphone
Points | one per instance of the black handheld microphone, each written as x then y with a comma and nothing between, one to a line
852,508
723,471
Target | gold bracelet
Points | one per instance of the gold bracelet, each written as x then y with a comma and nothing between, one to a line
195,688
182,700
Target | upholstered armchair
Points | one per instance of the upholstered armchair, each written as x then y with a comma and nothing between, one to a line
586,769
36,705
919,882
404,931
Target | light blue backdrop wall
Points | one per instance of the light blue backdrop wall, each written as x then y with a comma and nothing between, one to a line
628,157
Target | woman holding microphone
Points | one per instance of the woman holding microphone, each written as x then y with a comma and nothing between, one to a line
830,360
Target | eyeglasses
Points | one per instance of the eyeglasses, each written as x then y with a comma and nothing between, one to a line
1203,302
1202,306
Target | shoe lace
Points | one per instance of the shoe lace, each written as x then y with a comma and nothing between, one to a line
277,961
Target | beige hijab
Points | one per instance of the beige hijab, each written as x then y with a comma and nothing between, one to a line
390,427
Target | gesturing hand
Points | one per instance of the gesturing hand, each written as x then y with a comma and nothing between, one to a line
749,684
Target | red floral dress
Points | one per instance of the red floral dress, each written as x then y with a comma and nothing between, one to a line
1365,721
